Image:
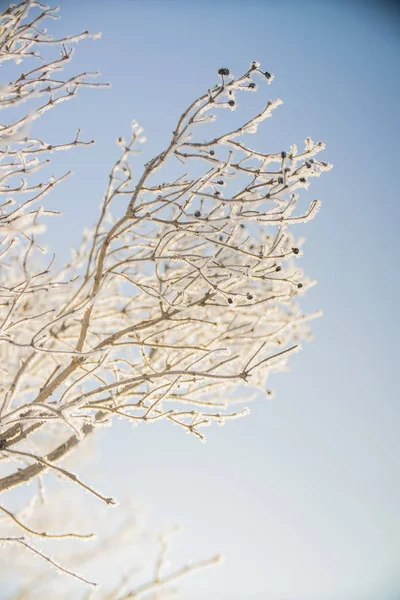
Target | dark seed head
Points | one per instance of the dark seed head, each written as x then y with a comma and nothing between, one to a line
278,269
249,297
302,179
299,285
295,250
283,154
220,182
212,152
231,103
252,85
280,179
197,213
223,71
267,75
230,301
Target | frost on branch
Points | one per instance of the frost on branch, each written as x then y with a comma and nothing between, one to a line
191,293
166,312
39,86
132,562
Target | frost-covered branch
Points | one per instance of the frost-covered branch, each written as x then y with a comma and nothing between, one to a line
170,311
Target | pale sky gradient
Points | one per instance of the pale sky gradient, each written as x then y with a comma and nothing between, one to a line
303,495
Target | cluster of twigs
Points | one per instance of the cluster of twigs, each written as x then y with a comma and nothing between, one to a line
163,312
145,568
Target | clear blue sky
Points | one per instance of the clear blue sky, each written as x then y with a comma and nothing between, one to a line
303,495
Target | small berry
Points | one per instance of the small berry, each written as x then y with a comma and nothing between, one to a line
212,152
249,297
299,285
223,71
197,213
295,250
267,75
278,269
220,182
302,179
252,85
230,301
308,165
283,154
280,179
231,103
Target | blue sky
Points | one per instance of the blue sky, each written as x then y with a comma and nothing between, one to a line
303,495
